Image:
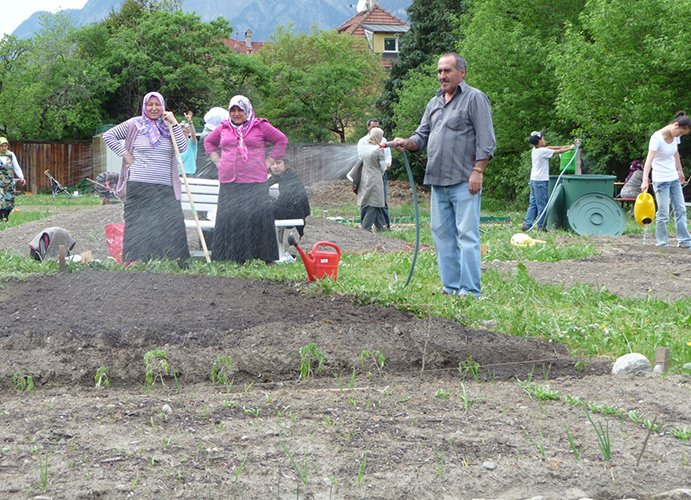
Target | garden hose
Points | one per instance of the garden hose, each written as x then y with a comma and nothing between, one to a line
550,200
416,210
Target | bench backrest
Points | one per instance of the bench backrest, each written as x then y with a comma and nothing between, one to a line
204,195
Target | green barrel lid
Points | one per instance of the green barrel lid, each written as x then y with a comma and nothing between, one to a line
596,214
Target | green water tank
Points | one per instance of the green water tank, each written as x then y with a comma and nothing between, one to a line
576,186
596,214
555,206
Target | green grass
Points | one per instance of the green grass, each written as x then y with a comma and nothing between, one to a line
61,200
590,321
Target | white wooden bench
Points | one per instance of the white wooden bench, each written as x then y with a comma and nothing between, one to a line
205,198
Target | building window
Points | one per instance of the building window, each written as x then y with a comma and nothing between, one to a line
390,44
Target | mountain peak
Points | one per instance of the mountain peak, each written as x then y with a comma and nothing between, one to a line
262,17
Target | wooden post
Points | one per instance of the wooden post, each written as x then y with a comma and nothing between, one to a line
661,360
62,250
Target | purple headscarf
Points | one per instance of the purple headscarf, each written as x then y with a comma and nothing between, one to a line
157,128
635,165
241,130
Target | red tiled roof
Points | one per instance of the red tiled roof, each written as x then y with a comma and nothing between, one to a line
376,15
241,47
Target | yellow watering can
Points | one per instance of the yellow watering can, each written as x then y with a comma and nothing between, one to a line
644,209
523,240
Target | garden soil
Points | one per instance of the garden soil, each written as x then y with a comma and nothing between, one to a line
418,427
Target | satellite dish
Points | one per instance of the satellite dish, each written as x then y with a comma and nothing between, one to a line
362,5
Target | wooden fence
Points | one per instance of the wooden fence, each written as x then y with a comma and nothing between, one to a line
69,162
72,162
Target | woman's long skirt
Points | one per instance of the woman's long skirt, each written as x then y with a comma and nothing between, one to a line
7,192
244,224
154,224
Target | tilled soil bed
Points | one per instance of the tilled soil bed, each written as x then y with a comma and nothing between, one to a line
417,428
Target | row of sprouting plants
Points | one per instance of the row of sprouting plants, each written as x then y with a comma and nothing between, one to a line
543,392
158,369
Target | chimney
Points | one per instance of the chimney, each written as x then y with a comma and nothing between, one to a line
248,38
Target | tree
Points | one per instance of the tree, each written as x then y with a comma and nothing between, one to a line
508,45
12,51
432,33
171,52
322,84
625,74
50,93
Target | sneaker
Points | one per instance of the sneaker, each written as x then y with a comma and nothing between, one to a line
524,227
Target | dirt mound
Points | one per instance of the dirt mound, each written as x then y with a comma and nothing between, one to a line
92,319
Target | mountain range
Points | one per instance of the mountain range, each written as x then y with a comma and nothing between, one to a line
261,16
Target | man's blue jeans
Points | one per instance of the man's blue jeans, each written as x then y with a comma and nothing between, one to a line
456,233
537,204
666,193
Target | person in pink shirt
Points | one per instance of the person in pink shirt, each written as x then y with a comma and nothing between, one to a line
244,221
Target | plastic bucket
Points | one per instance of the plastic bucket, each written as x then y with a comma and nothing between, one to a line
115,236
564,160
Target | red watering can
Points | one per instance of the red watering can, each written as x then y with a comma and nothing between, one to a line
319,263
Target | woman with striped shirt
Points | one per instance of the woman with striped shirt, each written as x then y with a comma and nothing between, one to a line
149,183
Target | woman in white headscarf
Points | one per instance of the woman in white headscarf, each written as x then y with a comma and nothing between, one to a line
206,169
149,183
370,195
244,221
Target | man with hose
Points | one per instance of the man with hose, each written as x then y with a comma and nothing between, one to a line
457,131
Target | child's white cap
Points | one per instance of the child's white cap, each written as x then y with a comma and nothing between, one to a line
535,136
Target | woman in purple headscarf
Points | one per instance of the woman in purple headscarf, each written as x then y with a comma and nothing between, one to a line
632,183
149,183
244,221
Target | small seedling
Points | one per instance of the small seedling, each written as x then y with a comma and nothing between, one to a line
469,367
301,470
220,372
539,392
440,462
683,433
158,367
603,440
43,474
643,422
538,444
251,411
362,468
572,444
238,470
309,354
101,377
23,383
465,398
375,358
441,394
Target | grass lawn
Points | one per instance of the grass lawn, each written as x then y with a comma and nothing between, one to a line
589,321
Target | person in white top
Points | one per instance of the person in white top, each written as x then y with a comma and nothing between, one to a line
539,179
668,177
9,169
362,143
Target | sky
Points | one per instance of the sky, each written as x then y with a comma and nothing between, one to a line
14,12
